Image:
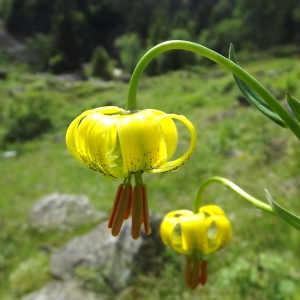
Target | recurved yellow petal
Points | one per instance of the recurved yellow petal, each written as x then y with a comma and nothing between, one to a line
193,232
219,233
73,127
141,140
72,134
169,132
170,230
177,163
212,210
90,137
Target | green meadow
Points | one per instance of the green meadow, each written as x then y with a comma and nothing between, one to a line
234,141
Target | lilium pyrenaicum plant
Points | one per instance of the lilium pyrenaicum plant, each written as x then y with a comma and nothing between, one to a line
124,144
196,235
253,91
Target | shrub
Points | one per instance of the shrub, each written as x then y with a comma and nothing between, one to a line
58,64
130,50
27,127
38,49
26,116
102,65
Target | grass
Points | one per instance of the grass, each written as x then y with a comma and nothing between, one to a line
235,142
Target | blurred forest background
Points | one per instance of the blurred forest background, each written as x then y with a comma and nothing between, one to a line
61,57
61,35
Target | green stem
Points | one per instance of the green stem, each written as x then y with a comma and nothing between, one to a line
226,183
138,178
131,103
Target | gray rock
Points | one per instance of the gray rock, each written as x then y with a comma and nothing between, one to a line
9,154
63,291
69,77
63,212
115,259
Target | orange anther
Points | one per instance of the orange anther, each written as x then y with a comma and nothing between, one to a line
115,205
136,212
203,276
188,273
146,218
121,210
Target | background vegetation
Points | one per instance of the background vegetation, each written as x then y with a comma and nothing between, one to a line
234,140
61,35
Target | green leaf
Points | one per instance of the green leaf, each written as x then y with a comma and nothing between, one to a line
288,216
294,105
255,99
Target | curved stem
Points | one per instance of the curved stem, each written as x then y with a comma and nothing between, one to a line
227,183
131,103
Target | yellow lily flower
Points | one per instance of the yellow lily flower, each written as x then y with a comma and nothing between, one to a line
119,144
196,235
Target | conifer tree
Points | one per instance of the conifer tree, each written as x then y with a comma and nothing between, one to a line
66,50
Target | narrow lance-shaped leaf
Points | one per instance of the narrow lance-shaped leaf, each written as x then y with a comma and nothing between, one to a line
294,105
255,99
288,216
